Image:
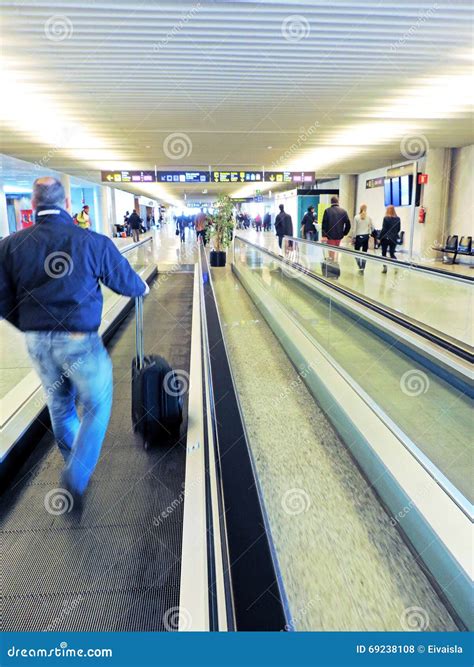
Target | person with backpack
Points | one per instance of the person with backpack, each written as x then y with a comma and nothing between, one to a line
308,225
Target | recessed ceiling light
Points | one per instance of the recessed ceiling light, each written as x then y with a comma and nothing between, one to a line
269,147
147,146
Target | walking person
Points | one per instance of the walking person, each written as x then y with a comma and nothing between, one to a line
200,224
83,218
267,221
135,223
50,276
335,225
308,225
389,234
283,225
258,222
363,229
181,223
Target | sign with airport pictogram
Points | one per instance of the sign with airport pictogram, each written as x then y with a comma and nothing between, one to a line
182,176
290,176
237,176
128,176
214,176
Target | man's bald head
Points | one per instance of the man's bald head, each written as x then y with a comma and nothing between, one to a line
48,191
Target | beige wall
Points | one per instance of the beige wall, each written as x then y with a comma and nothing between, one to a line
460,207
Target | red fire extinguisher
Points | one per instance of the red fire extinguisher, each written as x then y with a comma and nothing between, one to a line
422,214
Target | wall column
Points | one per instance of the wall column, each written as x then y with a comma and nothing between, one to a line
4,229
347,193
113,210
435,199
105,213
66,183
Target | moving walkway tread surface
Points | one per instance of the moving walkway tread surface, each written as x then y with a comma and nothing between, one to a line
344,565
116,567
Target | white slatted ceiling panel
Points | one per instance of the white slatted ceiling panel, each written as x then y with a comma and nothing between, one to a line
238,77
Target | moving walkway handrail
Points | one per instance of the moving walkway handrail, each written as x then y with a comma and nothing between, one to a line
450,275
454,346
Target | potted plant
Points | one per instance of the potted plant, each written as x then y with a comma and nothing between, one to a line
220,230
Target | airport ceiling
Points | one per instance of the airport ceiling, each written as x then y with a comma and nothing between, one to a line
331,87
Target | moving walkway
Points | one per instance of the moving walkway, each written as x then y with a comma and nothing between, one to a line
169,538
252,519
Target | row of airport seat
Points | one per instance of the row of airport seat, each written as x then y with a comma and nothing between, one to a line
456,246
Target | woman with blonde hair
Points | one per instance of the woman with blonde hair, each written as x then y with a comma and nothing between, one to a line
363,228
389,234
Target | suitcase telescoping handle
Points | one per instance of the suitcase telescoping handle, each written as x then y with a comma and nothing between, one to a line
139,331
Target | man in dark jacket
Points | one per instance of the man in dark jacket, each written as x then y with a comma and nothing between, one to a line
336,223
135,222
50,277
283,225
308,225
267,222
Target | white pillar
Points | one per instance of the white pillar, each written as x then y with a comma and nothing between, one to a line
66,182
347,193
4,229
113,209
435,199
104,211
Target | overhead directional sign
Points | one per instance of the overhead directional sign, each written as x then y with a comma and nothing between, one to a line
128,176
290,176
237,176
183,176
119,176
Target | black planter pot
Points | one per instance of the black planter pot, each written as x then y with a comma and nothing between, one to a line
217,257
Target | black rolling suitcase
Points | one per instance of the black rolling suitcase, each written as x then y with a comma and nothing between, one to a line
330,269
157,405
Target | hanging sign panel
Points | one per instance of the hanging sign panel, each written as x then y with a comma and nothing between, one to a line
183,176
120,176
128,176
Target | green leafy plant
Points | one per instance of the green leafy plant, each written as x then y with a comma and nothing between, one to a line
221,223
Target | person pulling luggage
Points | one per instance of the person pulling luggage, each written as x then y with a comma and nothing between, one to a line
50,277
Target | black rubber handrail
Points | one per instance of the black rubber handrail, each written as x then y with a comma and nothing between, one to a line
435,337
442,273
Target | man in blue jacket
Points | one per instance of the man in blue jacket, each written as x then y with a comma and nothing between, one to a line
50,277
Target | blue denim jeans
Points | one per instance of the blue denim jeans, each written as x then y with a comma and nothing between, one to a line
75,367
